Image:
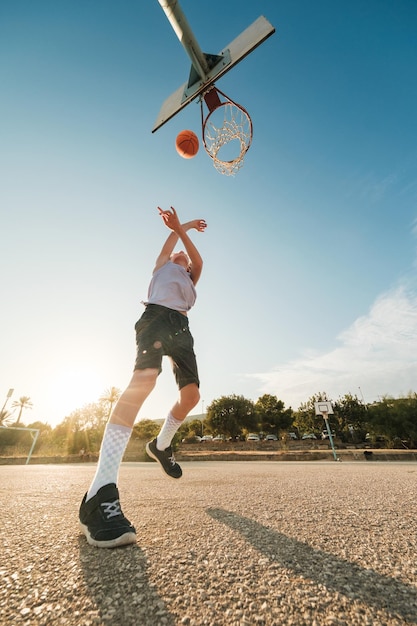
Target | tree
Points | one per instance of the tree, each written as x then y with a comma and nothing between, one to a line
5,418
195,428
83,428
230,415
395,419
351,416
7,437
24,402
41,426
189,430
271,414
110,397
146,429
306,420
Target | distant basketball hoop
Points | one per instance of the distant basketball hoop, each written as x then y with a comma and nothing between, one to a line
325,409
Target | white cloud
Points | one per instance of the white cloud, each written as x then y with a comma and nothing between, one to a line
376,355
373,188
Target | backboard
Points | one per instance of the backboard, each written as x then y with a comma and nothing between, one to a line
324,408
217,65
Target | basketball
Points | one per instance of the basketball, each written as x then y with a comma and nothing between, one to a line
186,144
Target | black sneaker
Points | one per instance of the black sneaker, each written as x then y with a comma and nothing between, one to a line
165,459
102,520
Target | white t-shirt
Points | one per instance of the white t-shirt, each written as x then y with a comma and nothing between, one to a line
171,286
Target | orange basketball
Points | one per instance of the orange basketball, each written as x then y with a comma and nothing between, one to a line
186,144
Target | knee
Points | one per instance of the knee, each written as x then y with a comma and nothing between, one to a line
196,396
190,395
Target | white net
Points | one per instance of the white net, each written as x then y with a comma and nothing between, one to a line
227,135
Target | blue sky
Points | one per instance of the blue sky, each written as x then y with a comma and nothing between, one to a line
309,281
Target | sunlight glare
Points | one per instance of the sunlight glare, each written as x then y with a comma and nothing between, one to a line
72,389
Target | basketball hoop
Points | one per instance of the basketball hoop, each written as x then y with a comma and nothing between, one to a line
325,409
227,131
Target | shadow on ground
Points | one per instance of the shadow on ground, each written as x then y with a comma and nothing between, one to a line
356,583
117,583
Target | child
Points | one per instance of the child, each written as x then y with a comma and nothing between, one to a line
162,330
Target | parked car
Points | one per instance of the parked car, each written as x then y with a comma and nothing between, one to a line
290,436
193,439
271,438
218,438
309,436
325,434
253,437
375,438
207,438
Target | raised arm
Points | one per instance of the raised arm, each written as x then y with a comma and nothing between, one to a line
179,231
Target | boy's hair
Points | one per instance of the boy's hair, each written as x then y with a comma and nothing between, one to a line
189,260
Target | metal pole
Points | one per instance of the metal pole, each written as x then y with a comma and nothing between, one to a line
184,33
35,439
9,395
363,399
330,436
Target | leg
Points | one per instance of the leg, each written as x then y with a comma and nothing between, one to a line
181,352
131,400
160,448
119,428
101,517
188,399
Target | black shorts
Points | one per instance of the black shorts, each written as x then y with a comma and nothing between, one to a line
161,331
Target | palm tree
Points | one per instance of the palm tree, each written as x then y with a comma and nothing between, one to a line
5,418
110,396
24,402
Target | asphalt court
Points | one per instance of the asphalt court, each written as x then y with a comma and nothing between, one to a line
233,543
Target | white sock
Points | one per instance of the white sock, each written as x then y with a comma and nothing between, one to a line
113,446
167,432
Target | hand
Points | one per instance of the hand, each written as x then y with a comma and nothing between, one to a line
170,218
199,225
